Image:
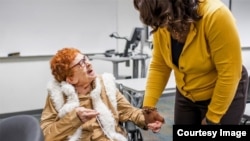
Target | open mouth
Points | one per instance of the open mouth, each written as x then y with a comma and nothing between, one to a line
90,71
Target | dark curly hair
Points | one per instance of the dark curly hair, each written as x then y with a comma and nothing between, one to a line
60,63
176,15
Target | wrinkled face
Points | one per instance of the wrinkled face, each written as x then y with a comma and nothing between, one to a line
83,73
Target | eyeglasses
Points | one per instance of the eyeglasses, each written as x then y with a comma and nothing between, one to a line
82,62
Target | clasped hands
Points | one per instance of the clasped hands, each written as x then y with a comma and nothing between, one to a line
153,119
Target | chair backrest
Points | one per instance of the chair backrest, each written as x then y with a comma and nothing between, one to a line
20,128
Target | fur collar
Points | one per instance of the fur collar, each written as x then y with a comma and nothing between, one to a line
107,121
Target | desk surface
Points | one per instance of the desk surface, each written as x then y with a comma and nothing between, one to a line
116,60
139,84
113,59
119,59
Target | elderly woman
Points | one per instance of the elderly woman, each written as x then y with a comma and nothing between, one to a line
82,105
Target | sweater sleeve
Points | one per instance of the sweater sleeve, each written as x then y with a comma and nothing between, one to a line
158,73
225,50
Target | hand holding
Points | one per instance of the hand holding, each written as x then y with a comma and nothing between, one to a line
155,127
85,114
151,115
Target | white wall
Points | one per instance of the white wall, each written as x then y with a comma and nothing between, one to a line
23,82
41,27
240,10
23,85
246,58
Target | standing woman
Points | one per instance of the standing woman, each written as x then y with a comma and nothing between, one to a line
199,41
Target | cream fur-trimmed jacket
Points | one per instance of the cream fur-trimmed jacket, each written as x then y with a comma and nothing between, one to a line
59,120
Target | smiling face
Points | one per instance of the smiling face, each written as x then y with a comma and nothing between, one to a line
82,71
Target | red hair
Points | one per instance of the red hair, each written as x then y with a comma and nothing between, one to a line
60,63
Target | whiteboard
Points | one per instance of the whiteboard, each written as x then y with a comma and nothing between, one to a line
41,27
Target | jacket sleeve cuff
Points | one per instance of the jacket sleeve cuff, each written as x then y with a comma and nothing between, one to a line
213,117
76,122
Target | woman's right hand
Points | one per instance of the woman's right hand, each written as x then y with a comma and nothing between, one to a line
85,114
151,115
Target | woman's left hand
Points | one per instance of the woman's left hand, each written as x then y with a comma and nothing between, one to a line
203,122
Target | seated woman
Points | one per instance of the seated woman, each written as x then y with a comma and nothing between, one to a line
84,106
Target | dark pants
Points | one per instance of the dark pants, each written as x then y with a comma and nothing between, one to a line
188,112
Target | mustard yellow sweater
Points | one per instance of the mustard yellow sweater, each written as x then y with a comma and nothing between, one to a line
210,63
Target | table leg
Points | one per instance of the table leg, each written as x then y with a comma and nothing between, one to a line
115,70
135,68
143,68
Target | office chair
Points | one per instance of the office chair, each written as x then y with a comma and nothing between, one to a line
246,115
20,128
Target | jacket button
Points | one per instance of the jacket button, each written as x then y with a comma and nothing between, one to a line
182,68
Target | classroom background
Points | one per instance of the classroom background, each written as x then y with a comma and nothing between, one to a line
37,29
